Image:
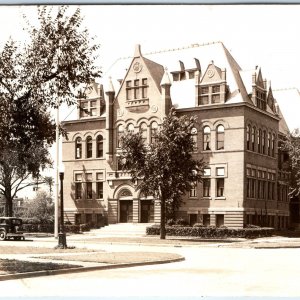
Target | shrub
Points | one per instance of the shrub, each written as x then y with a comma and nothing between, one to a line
84,227
72,228
170,222
181,221
211,232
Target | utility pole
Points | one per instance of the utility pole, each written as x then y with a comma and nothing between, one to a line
56,174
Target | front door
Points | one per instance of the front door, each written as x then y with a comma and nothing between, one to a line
126,212
147,211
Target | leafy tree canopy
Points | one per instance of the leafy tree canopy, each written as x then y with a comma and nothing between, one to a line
166,168
35,77
291,144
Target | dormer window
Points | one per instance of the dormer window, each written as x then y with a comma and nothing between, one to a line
88,108
204,97
215,94
136,89
261,99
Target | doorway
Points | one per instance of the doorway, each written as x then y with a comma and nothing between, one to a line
147,211
126,211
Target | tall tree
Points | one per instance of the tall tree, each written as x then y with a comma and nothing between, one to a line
166,168
35,77
291,144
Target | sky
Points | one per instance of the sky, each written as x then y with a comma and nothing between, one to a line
263,35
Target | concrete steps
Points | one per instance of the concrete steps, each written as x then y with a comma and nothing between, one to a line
121,229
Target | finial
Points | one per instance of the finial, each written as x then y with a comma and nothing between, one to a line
110,87
137,51
166,79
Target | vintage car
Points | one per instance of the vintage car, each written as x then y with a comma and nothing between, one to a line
11,227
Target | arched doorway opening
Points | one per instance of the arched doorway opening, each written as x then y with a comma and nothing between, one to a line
146,209
125,206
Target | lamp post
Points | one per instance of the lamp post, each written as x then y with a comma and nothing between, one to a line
62,241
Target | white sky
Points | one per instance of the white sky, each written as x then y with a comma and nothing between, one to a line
264,35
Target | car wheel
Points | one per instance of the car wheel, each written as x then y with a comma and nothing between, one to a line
2,235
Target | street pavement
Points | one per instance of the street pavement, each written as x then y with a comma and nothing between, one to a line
209,269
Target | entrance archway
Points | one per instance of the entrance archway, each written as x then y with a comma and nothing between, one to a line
125,206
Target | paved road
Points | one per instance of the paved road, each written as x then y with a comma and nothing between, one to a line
207,271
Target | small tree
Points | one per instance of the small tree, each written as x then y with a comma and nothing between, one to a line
291,144
165,168
40,208
35,77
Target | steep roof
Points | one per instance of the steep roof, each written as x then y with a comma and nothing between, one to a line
289,104
183,92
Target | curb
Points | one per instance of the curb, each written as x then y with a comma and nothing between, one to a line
85,269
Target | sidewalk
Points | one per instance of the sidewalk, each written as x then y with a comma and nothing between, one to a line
41,256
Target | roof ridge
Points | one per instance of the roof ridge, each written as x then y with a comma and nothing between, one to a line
194,45
286,89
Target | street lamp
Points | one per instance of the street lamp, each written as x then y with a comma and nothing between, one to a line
62,241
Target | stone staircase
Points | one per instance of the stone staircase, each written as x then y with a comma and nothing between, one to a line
121,229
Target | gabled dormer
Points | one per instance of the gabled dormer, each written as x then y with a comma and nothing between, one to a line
212,87
91,102
259,90
141,83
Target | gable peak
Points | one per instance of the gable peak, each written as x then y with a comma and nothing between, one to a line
137,51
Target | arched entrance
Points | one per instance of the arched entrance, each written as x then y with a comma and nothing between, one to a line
125,206
146,209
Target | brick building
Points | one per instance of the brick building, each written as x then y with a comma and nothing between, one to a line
239,123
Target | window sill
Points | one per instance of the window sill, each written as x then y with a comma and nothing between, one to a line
220,198
193,197
206,198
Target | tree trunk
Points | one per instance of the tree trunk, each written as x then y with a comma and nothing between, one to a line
8,207
162,219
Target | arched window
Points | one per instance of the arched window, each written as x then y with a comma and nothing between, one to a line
206,138
89,147
248,136
130,128
273,145
269,143
99,146
253,138
78,148
143,131
194,139
154,129
263,144
220,137
120,131
259,140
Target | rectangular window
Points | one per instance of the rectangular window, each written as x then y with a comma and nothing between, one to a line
206,220
220,187
219,220
78,186
193,191
144,81
206,187
204,90
215,99
203,100
136,82
84,106
93,108
136,93
99,176
89,190
99,190
78,190
220,171
216,89
207,172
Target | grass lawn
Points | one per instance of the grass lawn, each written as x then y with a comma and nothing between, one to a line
11,266
38,250
116,257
